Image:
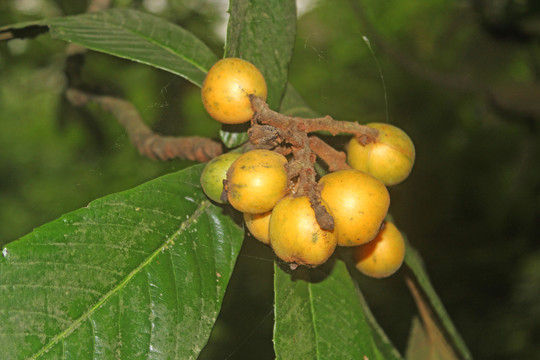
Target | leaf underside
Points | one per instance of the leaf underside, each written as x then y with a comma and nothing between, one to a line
138,274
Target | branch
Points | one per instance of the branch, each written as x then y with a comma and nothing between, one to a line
289,134
265,116
336,160
148,143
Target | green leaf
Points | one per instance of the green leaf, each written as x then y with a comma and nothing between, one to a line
434,316
263,32
133,35
319,315
138,274
382,342
233,139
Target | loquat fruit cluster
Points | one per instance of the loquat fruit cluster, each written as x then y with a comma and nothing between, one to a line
277,190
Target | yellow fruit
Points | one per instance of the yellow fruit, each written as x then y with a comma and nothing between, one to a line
295,235
258,225
382,256
358,203
256,181
214,173
390,158
226,88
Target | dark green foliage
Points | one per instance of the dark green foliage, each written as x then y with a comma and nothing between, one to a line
132,275
470,206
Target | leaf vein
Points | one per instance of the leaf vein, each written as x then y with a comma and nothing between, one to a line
198,212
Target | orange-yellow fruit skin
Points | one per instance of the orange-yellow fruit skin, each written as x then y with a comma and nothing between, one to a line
226,88
382,256
258,225
256,181
389,159
295,235
358,203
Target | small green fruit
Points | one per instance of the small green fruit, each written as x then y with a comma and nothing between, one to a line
214,173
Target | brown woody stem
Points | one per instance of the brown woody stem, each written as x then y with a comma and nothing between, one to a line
148,143
265,116
289,134
336,160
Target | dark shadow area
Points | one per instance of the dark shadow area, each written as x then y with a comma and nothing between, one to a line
28,32
244,326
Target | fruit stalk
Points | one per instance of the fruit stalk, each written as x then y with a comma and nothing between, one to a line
264,115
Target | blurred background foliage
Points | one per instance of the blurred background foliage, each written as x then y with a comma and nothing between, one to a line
461,77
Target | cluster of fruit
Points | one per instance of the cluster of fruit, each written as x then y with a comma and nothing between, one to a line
257,184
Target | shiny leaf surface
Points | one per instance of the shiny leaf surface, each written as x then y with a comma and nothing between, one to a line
263,32
319,315
138,274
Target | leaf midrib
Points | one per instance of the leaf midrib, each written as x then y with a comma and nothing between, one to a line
170,241
313,319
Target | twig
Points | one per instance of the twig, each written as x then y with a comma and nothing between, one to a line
273,129
265,116
336,160
307,184
148,143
